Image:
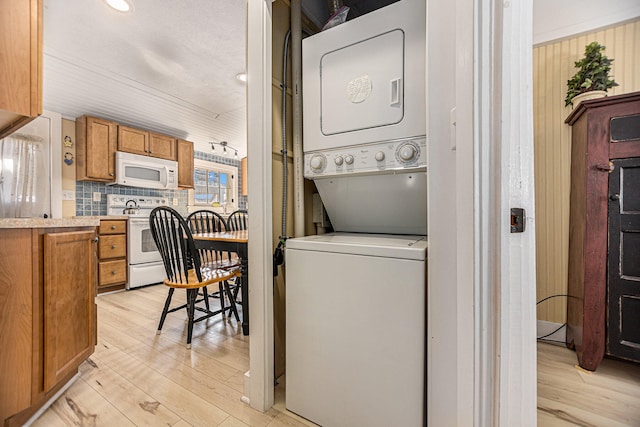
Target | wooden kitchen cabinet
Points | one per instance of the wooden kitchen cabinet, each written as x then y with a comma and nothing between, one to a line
112,255
131,140
144,143
48,320
69,300
95,149
162,146
21,64
185,164
245,182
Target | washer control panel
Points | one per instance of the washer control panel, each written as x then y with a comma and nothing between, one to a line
410,153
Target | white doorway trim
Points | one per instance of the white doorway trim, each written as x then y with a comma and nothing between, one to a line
504,261
259,384
517,327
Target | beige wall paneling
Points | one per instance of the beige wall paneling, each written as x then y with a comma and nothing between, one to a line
69,171
281,23
552,67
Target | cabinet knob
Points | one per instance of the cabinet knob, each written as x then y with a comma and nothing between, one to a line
95,240
113,246
113,273
113,227
614,197
110,173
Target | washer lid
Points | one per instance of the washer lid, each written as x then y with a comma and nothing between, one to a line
379,245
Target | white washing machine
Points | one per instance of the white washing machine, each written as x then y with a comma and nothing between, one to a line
356,329
355,299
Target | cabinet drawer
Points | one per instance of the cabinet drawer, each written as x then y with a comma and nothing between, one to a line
113,226
112,246
112,272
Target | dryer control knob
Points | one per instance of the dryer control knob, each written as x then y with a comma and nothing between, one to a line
338,160
316,163
380,156
349,159
407,152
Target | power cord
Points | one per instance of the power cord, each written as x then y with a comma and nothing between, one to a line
561,326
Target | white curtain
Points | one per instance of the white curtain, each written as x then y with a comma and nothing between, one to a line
23,177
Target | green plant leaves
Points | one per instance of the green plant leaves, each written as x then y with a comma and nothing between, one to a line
593,73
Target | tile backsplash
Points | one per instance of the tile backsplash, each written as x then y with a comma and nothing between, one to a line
85,206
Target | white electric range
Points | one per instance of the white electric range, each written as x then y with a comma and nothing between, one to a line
145,262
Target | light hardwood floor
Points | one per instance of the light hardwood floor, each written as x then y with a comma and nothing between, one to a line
570,396
137,378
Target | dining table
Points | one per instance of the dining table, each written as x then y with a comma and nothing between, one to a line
231,241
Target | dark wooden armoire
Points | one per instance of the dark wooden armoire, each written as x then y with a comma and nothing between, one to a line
603,307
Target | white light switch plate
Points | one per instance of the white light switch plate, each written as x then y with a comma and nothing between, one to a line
97,196
175,201
68,195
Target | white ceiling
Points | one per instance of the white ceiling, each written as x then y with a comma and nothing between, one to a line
169,66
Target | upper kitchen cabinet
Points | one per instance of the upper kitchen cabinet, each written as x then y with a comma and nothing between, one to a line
21,64
95,149
185,164
133,140
162,146
142,142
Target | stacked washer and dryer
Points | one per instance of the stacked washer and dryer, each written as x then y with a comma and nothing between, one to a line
356,298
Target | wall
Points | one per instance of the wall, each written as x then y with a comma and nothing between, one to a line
553,20
68,171
552,67
281,23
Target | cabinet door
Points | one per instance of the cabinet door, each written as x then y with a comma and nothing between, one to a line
21,64
132,140
185,164
100,146
162,146
69,302
623,293
16,320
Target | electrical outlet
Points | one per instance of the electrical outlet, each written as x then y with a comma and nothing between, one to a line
68,195
175,201
97,196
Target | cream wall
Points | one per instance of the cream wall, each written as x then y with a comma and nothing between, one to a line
552,67
69,171
281,18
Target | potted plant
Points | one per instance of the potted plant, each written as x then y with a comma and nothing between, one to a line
592,75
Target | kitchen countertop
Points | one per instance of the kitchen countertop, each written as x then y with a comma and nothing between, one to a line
49,222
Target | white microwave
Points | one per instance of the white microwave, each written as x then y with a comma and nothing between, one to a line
134,170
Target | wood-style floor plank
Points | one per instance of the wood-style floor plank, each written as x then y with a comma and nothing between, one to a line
569,395
136,377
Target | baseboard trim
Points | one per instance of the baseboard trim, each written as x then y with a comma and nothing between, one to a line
53,398
543,328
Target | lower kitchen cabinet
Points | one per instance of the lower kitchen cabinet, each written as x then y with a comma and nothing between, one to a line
112,253
47,315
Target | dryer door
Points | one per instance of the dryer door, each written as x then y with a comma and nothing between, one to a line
362,85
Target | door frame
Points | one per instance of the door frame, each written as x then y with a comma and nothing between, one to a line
494,268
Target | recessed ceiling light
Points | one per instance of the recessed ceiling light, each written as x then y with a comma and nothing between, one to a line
241,77
119,5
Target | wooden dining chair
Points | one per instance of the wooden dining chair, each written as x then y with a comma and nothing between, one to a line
184,269
206,221
238,220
